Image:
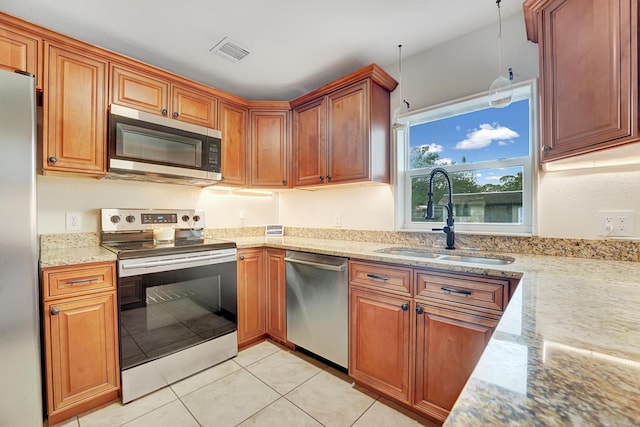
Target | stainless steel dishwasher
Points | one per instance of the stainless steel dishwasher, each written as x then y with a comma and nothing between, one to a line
318,305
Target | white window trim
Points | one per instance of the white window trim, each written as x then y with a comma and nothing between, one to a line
523,90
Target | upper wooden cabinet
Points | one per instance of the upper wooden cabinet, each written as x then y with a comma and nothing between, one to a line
269,147
342,130
159,95
233,123
20,50
74,111
588,73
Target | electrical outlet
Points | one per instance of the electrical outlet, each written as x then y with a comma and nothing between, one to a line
73,221
337,220
616,223
243,218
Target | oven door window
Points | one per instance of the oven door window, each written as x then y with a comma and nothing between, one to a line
162,313
151,145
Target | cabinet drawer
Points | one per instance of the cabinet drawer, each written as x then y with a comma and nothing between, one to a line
78,280
482,292
389,278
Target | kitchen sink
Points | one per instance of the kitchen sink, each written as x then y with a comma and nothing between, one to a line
425,253
477,259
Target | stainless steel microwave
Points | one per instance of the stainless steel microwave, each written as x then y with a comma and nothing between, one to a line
147,147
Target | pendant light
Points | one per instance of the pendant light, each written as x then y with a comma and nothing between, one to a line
500,91
398,110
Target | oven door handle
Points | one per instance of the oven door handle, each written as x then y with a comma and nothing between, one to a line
174,261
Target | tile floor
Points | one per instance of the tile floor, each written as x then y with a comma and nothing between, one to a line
265,385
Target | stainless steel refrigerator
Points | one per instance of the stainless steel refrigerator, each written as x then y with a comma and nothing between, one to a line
20,360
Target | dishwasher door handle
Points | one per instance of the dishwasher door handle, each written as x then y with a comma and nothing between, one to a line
316,264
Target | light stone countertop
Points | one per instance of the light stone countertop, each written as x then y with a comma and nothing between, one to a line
566,351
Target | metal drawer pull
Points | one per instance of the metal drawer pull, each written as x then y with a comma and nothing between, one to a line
404,307
419,310
455,291
80,281
377,277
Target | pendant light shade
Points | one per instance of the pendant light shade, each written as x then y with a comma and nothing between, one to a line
501,90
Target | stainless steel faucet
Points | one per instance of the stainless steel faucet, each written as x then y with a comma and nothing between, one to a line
448,229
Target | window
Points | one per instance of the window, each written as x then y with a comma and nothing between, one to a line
488,155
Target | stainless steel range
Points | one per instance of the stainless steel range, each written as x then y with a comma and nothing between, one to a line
176,294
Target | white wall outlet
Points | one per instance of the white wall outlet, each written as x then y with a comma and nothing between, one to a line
73,221
243,218
616,223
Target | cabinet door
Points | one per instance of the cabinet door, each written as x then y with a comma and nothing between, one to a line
449,343
309,144
251,296
276,294
348,144
143,92
232,120
75,112
379,342
81,349
269,148
191,106
588,75
21,51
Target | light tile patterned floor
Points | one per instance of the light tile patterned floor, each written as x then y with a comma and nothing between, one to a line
265,385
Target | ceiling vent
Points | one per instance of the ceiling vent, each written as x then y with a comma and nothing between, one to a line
230,49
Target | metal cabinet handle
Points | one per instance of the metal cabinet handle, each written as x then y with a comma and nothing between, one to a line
54,311
52,159
81,281
321,178
284,182
455,291
164,112
241,257
377,277
328,177
175,114
546,148
419,310
404,307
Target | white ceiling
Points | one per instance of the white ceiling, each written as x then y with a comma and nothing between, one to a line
295,45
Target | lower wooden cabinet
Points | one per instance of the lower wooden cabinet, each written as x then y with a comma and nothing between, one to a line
262,305
449,343
275,270
379,331
251,296
80,340
419,350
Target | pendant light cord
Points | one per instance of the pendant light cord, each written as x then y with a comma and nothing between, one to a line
499,38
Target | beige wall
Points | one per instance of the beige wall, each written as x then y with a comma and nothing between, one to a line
568,201
57,195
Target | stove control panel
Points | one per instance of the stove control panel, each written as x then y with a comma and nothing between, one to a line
148,219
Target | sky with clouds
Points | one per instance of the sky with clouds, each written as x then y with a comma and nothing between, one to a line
488,134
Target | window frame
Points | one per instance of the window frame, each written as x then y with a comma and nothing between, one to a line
524,90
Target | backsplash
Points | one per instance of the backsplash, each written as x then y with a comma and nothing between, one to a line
620,250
